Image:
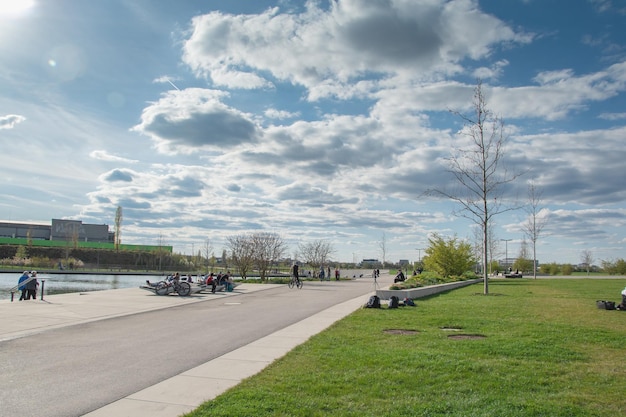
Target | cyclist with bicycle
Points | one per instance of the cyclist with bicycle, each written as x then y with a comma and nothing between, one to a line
295,276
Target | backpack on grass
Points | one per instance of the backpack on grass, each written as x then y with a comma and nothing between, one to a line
394,302
605,305
408,302
373,302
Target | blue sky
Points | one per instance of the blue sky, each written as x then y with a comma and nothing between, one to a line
314,120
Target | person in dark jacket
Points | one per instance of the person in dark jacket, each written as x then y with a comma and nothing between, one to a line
31,286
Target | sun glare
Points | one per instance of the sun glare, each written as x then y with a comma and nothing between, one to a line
15,8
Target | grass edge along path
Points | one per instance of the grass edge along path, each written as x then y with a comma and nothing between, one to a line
530,348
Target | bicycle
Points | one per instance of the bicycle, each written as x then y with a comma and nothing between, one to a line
295,281
183,288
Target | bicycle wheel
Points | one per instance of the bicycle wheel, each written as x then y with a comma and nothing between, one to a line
184,289
299,284
291,283
161,288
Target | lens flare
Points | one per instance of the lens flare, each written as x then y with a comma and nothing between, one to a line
15,8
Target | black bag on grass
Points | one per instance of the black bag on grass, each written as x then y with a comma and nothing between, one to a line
394,302
373,302
605,305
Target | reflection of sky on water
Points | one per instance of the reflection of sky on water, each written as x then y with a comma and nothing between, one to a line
66,283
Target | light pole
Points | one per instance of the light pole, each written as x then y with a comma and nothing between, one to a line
506,250
419,259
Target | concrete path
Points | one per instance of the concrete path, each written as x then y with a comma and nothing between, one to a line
171,397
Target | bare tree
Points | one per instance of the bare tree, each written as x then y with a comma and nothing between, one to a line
241,253
315,253
207,250
225,258
118,227
268,248
160,250
383,248
492,249
522,263
535,222
586,257
494,246
479,171
75,236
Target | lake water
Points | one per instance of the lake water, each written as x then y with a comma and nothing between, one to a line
66,283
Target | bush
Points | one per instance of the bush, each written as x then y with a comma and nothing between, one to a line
448,257
427,278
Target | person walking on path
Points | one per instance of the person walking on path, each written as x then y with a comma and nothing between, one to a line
22,286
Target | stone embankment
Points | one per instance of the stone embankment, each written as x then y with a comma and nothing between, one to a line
420,292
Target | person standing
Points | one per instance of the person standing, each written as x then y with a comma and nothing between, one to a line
22,285
31,286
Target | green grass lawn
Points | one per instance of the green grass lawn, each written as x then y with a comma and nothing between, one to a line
541,348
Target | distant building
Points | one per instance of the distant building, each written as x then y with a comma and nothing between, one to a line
58,230
370,263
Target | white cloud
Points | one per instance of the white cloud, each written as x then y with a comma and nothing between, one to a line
188,120
281,114
326,119
10,121
613,116
327,50
105,156
494,71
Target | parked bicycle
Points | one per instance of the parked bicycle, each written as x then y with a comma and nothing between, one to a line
182,288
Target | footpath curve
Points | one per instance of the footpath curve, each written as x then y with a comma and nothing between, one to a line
170,397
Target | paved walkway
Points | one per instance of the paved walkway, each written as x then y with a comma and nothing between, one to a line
169,398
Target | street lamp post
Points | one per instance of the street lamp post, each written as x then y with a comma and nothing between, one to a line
419,260
506,250
419,254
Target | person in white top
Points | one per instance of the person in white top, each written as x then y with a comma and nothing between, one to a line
623,305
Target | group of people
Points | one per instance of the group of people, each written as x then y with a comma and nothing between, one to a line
322,275
219,279
211,279
28,285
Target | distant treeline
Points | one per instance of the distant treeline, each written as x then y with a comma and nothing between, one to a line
92,258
